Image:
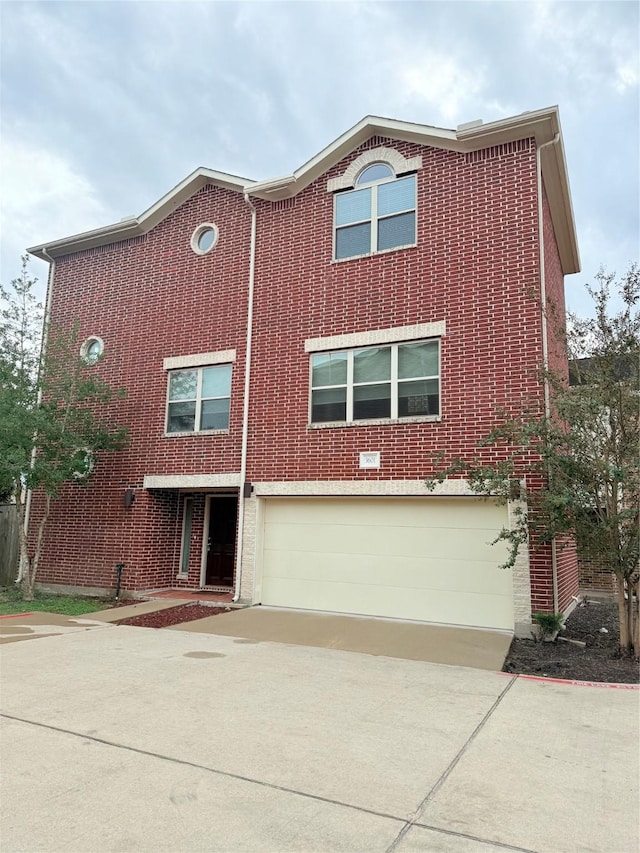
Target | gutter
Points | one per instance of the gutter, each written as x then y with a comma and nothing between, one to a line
245,413
43,348
545,341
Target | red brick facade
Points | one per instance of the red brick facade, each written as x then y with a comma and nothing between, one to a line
476,266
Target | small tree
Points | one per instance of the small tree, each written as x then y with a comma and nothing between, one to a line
53,418
581,465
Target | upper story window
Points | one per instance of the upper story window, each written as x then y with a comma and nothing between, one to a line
199,399
395,381
379,214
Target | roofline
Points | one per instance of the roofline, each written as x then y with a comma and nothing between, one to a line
135,226
542,125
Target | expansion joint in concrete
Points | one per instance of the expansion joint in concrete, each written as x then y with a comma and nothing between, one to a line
415,818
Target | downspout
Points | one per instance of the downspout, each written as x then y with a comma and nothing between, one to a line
245,413
43,349
545,341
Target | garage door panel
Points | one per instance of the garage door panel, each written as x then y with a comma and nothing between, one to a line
420,605
404,512
378,570
428,559
392,540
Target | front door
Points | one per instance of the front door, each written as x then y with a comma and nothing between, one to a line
221,540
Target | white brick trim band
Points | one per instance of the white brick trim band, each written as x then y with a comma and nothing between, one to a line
192,481
376,336
365,488
201,359
393,158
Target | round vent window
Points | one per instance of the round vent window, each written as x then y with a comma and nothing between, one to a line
204,238
92,349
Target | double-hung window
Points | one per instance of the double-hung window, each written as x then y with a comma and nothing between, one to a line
377,382
379,214
199,399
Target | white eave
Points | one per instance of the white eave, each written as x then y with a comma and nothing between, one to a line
542,125
137,225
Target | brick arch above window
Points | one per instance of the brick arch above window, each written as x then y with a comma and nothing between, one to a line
390,156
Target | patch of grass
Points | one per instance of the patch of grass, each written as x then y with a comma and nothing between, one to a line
11,602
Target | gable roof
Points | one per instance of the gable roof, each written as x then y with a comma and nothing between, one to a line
543,125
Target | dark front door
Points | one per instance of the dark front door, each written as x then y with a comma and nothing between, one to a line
221,542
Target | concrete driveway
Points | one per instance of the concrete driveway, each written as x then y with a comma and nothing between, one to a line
474,647
130,739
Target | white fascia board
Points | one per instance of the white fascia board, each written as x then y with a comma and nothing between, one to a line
344,144
556,183
137,226
541,124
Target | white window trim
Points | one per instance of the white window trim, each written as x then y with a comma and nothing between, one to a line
373,219
199,231
394,382
87,344
202,359
198,402
398,334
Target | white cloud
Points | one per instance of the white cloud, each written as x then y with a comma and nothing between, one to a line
43,198
443,83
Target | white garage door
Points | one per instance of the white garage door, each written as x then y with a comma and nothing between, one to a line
427,559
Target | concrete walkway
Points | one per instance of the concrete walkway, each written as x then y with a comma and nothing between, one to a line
391,637
126,739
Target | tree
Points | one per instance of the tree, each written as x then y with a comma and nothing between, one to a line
581,464
53,413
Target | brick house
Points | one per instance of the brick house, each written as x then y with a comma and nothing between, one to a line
296,351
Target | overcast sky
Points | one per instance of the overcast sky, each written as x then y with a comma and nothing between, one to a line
107,105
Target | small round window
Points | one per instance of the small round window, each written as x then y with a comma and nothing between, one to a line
204,238
83,464
92,349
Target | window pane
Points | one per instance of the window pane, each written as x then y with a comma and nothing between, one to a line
183,385
215,414
216,381
397,231
418,360
354,240
418,398
371,401
329,405
182,417
353,206
372,364
186,535
377,172
396,196
328,368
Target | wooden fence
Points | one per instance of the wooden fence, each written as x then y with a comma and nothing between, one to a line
9,545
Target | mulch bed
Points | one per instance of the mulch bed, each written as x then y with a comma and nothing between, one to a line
173,616
600,660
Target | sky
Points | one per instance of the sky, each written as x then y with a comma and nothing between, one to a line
105,106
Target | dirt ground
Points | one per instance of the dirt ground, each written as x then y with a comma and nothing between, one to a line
599,660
